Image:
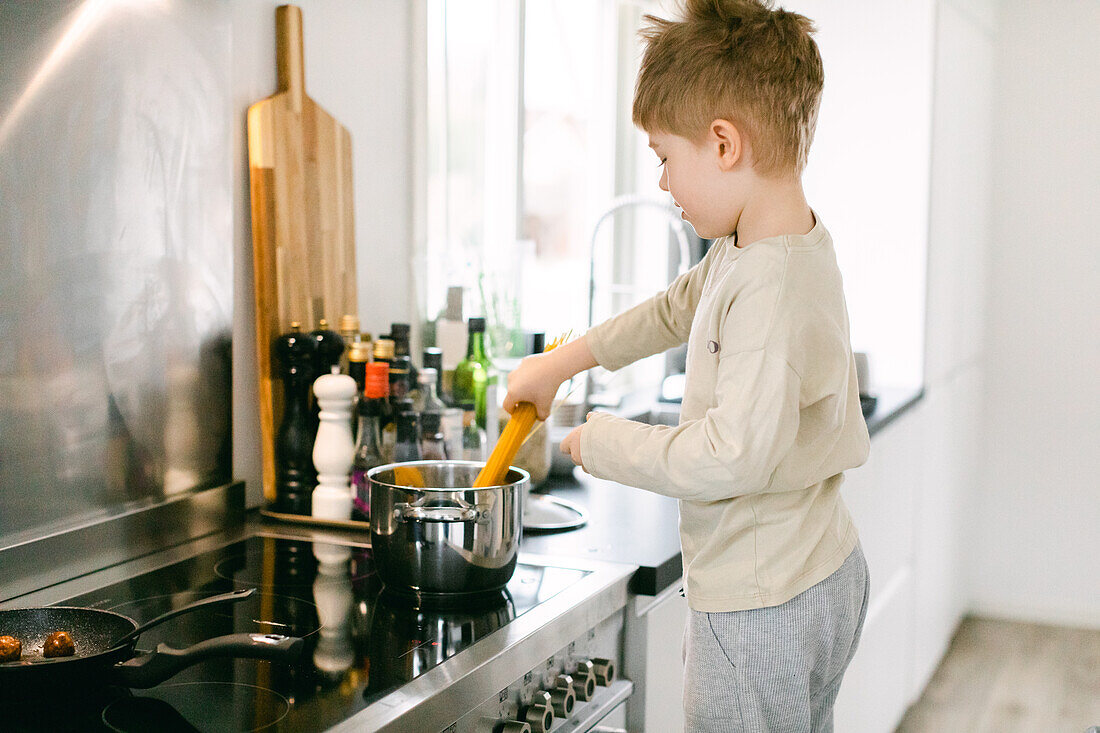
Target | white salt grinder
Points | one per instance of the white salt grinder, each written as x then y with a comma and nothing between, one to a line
334,449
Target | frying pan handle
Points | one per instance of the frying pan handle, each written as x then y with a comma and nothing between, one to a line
231,597
148,670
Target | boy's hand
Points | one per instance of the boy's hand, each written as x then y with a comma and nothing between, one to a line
535,380
571,445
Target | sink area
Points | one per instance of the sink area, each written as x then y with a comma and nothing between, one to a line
661,414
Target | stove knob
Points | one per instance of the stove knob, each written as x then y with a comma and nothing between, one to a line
539,714
605,671
584,680
512,726
562,697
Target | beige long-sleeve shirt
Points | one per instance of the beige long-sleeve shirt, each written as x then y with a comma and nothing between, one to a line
770,418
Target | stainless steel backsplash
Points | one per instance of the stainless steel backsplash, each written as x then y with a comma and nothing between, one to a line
115,257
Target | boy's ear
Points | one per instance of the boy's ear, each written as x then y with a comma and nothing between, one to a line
726,140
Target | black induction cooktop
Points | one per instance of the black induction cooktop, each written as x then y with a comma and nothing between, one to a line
362,641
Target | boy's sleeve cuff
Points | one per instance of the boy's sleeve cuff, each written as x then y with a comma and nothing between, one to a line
593,437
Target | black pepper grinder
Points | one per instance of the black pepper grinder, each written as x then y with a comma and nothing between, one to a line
295,477
329,347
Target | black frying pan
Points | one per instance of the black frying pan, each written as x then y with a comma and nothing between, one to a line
104,644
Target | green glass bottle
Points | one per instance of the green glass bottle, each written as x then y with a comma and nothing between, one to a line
471,379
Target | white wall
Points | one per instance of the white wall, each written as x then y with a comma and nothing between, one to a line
1036,548
357,67
868,170
911,500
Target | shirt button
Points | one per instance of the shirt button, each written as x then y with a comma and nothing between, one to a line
712,347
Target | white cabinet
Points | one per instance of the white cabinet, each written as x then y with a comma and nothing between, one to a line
881,496
652,660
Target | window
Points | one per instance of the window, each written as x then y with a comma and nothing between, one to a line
530,143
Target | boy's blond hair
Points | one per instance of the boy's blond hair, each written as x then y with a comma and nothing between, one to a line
737,60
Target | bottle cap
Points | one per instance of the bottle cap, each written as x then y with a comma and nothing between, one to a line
359,351
399,331
349,323
378,380
477,325
383,349
426,376
433,358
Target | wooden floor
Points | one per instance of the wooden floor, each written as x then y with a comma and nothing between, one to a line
1009,677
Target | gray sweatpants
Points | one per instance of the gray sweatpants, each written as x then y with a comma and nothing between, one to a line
777,669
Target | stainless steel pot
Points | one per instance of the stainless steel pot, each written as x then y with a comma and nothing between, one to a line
439,535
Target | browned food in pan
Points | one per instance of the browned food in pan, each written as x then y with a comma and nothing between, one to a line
58,644
10,649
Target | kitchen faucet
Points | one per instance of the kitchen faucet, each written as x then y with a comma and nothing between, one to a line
675,223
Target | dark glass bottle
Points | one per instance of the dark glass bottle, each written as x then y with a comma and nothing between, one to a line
404,404
471,379
295,477
407,447
399,378
427,399
433,359
349,332
378,375
432,444
474,441
389,430
400,334
368,446
358,358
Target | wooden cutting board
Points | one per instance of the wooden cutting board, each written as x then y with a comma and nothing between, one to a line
303,234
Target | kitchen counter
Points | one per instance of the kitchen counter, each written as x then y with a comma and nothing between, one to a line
625,525
892,402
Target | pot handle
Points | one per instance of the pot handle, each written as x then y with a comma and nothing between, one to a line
149,670
458,512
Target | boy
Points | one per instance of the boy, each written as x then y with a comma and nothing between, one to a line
773,570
